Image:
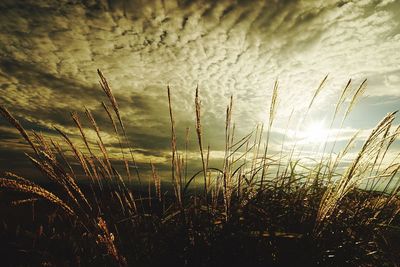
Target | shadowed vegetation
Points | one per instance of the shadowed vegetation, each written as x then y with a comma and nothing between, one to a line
260,208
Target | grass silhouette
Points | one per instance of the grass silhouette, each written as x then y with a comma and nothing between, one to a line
257,209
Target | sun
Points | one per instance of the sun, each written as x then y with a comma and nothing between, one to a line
314,133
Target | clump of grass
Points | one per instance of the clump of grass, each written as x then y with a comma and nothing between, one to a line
257,209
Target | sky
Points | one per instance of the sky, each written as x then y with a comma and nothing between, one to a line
50,51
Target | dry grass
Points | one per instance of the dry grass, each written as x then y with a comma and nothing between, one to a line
259,208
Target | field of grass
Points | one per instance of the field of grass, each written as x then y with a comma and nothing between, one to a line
257,209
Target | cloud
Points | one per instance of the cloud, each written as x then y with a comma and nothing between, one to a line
50,50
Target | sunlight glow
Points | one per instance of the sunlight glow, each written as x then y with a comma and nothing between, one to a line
315,133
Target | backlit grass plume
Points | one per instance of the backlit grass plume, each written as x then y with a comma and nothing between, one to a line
259,207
